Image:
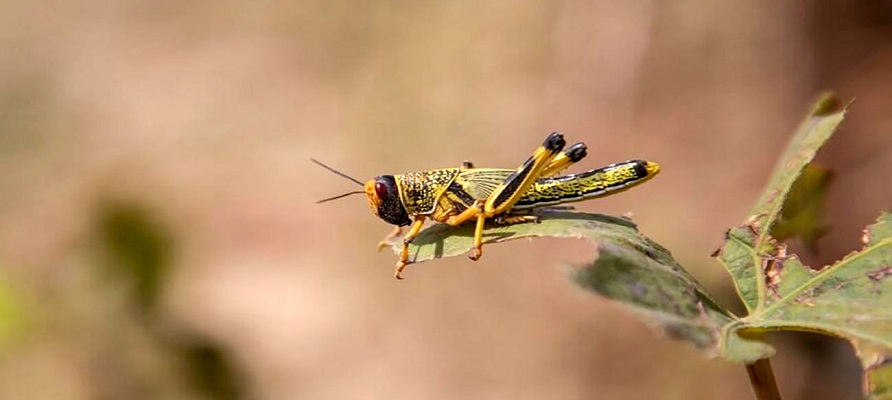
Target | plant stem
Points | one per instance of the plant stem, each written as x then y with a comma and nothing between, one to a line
762,380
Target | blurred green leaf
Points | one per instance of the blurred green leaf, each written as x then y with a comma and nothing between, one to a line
210,369
14,311
139,249
803,209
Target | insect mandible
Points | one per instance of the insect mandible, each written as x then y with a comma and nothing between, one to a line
505,196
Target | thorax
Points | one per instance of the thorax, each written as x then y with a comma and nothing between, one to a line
420,191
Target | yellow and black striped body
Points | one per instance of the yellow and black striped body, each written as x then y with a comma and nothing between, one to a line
591,184
446,192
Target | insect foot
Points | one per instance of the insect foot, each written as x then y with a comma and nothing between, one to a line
475,254
398,271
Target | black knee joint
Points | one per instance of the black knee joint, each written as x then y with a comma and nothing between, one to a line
554,142
576,152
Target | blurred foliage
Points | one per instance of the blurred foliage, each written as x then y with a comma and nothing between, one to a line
14,312
140,253
139,248
803,210
210,370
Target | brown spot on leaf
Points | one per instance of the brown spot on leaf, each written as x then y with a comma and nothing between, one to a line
781,251
806,298
880,363
865,237
753,226
879,274
718,251
650,253
752,220
773,268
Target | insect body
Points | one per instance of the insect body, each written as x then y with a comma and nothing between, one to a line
456,195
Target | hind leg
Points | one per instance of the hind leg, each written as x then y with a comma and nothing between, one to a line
511,219
564,160
509,192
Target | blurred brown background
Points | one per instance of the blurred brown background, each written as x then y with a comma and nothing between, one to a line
158,236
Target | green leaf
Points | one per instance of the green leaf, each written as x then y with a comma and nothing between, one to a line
812,133
851,298
803,209
630,269
748,245
442,240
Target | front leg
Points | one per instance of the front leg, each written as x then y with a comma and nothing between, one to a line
385,243
404,255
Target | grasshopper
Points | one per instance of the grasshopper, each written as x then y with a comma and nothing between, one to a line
457,195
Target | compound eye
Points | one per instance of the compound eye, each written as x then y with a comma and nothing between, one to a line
381,190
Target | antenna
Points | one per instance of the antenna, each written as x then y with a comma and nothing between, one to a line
342,175
336,172
338,196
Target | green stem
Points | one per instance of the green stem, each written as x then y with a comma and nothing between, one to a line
762,380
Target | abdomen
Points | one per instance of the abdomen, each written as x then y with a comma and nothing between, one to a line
591,184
